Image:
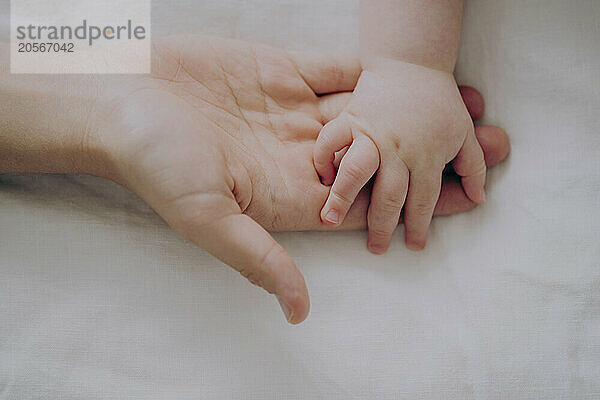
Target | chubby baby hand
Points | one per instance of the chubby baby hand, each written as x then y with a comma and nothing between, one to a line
403,124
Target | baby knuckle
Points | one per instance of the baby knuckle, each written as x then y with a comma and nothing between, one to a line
422,209
325,138
380,233
391,205
476,167
355,172
341,197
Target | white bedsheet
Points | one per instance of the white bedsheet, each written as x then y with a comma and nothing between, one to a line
99,299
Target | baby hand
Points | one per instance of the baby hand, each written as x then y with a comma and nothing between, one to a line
405,122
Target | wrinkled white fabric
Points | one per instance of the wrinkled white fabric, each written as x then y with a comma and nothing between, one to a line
100,299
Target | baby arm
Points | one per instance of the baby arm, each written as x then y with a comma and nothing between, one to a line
405,121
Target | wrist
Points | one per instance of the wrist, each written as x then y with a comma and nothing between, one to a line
374,62
49,125
395,67
421,32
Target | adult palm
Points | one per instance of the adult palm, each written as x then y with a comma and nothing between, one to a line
219,141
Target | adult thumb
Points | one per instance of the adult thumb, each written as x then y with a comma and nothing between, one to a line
240,242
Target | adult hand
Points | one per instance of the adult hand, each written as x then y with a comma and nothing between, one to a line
218,140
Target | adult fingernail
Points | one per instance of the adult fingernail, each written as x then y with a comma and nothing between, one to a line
287,311
332,217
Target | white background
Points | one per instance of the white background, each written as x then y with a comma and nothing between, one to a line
99,299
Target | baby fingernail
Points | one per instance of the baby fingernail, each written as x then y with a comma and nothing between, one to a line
332,217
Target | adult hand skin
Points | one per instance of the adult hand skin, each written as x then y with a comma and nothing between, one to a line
218,140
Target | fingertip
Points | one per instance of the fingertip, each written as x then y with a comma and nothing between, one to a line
330,216
415,245
480,196
377,248
494,142
287,310
325,171
294,300
327,180
474,191
453,199
335,209
295,307
288,285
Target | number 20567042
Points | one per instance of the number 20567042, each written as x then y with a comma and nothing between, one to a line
45,47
